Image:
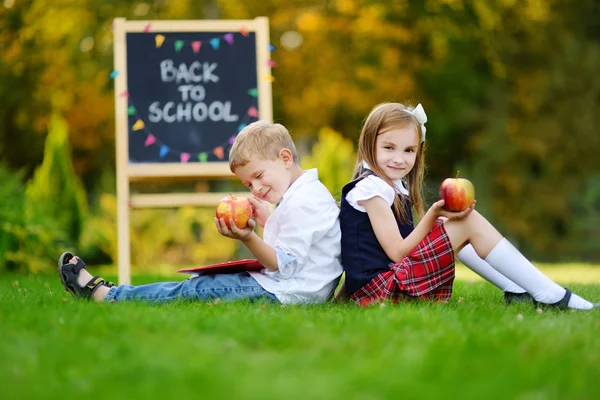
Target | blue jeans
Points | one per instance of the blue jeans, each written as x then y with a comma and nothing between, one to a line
226,287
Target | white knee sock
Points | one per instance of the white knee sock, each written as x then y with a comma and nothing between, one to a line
471,259
507,260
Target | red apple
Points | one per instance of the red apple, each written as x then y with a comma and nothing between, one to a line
457,193
236,208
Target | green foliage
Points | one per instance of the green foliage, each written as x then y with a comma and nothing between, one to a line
26,244
334,157
55,191
510,89
174,237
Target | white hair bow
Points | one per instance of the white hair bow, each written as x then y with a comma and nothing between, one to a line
420,115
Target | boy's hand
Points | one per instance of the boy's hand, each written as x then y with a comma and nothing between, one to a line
260,210
439,211
234,232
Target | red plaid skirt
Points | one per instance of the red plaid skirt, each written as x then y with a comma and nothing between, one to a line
427,272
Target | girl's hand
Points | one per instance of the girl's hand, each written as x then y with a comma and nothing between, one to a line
260,210
234,232
439,211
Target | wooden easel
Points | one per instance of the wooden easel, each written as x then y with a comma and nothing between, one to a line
128,172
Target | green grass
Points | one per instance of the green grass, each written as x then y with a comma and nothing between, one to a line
475,347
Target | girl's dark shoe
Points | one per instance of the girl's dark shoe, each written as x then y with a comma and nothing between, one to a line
68,273
514,298
563,304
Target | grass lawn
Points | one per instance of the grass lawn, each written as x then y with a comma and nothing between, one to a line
475,347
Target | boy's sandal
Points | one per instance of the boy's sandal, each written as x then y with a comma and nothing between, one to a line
563,304
68,273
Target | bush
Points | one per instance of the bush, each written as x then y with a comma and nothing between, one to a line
55,192
334,156
26,244
176,237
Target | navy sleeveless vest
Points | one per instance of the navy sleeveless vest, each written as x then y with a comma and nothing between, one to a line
363,258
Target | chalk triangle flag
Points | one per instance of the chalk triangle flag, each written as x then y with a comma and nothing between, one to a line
228,38
202,157
184,157
164,149
147,28
159,40
231,139
269,78
131,110
253,112
241,126
215,42
139,125
196,45
271,47
219,152
271,63
150,140
113,74
124,94
178,45
253,92
244,31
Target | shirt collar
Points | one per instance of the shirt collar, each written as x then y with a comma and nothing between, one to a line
399,183
307,177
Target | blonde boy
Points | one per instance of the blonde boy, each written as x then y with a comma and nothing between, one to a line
300,248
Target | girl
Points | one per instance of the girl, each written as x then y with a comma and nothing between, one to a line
386,257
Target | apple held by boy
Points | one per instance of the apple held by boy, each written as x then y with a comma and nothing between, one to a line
236,208
458,193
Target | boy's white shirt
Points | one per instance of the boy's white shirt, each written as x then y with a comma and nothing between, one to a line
305,232
373,186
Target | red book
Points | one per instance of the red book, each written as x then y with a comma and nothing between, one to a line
229,267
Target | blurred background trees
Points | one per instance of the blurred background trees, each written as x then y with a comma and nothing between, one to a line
510,87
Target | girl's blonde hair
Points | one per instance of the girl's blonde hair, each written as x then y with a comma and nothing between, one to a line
262,139
383,118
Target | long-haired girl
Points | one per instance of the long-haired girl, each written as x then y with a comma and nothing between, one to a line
386,257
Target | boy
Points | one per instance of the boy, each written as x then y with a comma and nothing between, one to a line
300,248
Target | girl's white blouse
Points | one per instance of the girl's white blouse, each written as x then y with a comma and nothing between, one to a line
373,186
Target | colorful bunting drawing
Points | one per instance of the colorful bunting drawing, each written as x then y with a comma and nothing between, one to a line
150,140
253,112
164,149
159,40
219,152
228,38
178,45
113,74
215,43
139,125
196,45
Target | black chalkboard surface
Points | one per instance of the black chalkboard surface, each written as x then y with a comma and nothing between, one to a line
188,94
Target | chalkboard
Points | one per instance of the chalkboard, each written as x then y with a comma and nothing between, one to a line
189,94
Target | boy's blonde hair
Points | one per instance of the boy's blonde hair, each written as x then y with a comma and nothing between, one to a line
263,140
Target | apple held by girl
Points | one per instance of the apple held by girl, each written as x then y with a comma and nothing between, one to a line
458,193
